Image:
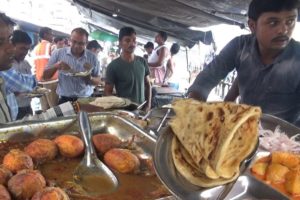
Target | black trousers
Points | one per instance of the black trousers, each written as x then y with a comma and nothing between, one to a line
63,99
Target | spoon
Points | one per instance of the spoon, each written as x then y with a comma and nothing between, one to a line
93,176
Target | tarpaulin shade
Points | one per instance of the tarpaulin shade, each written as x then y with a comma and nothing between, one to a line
103,36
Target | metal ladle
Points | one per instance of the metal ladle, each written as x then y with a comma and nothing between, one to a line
91,174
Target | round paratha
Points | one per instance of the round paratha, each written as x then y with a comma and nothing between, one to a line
218,136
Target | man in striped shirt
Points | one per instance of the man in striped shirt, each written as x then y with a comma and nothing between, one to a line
74,59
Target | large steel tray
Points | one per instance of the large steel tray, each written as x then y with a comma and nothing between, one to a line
246,187
105,122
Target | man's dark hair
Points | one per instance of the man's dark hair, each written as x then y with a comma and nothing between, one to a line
81,31
126,31
58,38
93,44
258,7
44,31
20,37
6,20
149,45
174,48
163,34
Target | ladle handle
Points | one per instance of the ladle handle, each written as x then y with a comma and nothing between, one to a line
163,120
85,127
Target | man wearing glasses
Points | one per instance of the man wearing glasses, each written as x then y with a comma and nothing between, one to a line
78,69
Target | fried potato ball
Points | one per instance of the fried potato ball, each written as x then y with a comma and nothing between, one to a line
51,193
122,160
69,146
5,175
41,150
105,142
26,183
16,160
4,194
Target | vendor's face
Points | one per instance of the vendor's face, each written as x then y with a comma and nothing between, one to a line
7,49
21,51
273,30
128,43
78,43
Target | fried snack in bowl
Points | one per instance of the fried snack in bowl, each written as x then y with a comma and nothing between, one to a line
215,138
41,150
276,173
26,183
16,160
122,160
4,194
282,172
69,146
260,168
285,158
51,193
292,184
5,175
104,142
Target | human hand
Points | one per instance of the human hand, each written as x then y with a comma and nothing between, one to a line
62,66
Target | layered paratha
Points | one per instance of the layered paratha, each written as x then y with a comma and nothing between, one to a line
192,174
217,136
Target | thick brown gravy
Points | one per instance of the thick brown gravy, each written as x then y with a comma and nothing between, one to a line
60,173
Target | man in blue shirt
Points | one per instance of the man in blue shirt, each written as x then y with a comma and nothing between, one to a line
267,61
75,59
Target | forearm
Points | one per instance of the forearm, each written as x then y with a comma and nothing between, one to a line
233,92
196,96
17,82
108,89
49,72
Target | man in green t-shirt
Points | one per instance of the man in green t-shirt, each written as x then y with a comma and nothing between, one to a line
129,73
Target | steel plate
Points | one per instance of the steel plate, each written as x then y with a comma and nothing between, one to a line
246,187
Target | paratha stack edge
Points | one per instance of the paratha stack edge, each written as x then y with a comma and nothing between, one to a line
212,139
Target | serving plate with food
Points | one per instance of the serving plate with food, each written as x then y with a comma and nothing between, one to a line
87,71
79,74
109,102
54,149
199,155
36,92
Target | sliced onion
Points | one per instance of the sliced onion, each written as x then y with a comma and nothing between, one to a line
278,140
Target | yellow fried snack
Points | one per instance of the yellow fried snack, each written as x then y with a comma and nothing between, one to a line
287,159
292,184
276,173
260,168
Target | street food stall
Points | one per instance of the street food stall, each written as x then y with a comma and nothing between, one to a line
156,173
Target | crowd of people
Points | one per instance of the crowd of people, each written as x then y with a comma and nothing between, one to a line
266,62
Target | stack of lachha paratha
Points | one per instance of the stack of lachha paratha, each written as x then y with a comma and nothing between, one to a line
212,139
